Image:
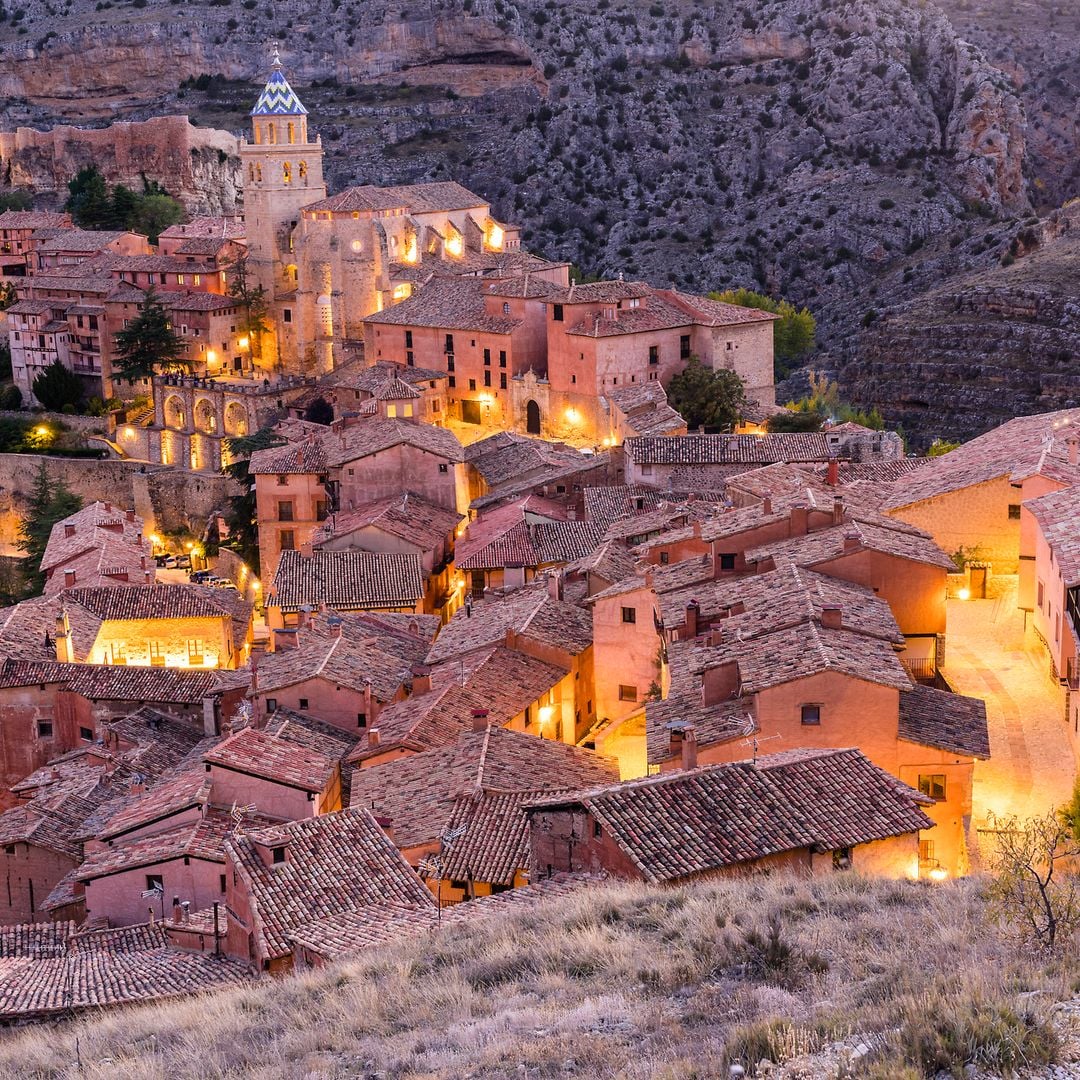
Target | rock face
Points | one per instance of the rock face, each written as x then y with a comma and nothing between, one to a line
201,165
984,348
803,146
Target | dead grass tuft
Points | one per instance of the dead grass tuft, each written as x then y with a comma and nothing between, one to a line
623,981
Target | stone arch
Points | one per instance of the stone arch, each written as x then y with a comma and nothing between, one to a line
175,413
205,416
286,173
532,417
236,419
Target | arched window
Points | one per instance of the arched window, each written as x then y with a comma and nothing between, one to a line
286,172
272,131
258,172
292,133
303,170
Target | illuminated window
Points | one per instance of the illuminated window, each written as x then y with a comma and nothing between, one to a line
303,170
933,785
195,651
286,173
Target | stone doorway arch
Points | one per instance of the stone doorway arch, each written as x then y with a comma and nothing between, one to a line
532,417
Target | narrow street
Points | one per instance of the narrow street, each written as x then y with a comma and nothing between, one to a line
1032,766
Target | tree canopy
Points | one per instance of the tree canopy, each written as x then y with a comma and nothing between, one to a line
706,398
241,516
821,404
148,345
320,411
793,333
56,387
253,299
93,205
51,500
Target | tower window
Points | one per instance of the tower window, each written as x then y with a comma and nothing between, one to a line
286,173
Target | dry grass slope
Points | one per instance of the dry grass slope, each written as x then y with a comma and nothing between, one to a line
622,981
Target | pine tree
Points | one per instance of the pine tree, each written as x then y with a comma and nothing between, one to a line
56,387
89,201
706,398
148,345
50,501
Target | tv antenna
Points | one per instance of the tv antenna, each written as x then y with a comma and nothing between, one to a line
433,864
755,740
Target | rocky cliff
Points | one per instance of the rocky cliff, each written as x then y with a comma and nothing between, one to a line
199,165
985,347
805,146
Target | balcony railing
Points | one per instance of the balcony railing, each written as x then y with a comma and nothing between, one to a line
920,668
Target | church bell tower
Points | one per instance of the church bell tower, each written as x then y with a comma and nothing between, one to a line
282,172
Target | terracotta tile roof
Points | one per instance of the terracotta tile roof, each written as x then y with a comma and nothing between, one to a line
34,219
646,409
946,721
362,439
603,504
530,612
787,596
415,198
334,863
346,580
202,839
409,517
876,472
609,561
30,307
503,537
602,292
41,825
1058,516
660,578
27,630
188,787
501,681
1020,448
686,823
110,562
80,240
370,379
269,757
36,941
728,449
446,303
231,228
418,793
825,545
379,647
494,846
508,456
305,456
106,682
34,672
709,312
140,602
307,731
33,989
339,936
525,286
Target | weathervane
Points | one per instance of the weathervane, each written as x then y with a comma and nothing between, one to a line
275,56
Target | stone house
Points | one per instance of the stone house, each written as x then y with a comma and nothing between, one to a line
69,247
16,228
354,389
283,881
38,336
807,811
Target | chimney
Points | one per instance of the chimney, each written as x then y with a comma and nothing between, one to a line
1073,443
798,521
832,473
421,681
693,609
838,510
177,910
689,749
69,529
305,550
720,683
108,507
766,506
832,617
254,672
304,620
69,578
479,719
555,585
386,824
130,515
851,542
696,529
373,738
138,787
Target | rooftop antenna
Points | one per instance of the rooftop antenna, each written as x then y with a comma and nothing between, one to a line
754,741
238,813
433,864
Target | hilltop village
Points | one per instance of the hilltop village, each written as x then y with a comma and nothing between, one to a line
515,629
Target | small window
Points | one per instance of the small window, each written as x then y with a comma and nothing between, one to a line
502,358
1040,597
629,615
9,849
627,693
841,858
557,313
654,354
278,855
472,384
282,480
487,378
665,558
487,358
408,339
811,714
458,883
271,704
221,883
286,315
361,720
285,510
684,347
1014,511
449,344
933,784
502,380
443,467
727,562
303,703
597,829
44,729
86,734
154,881
926,851
288,540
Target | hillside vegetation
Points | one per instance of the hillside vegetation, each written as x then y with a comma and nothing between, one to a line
836,976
